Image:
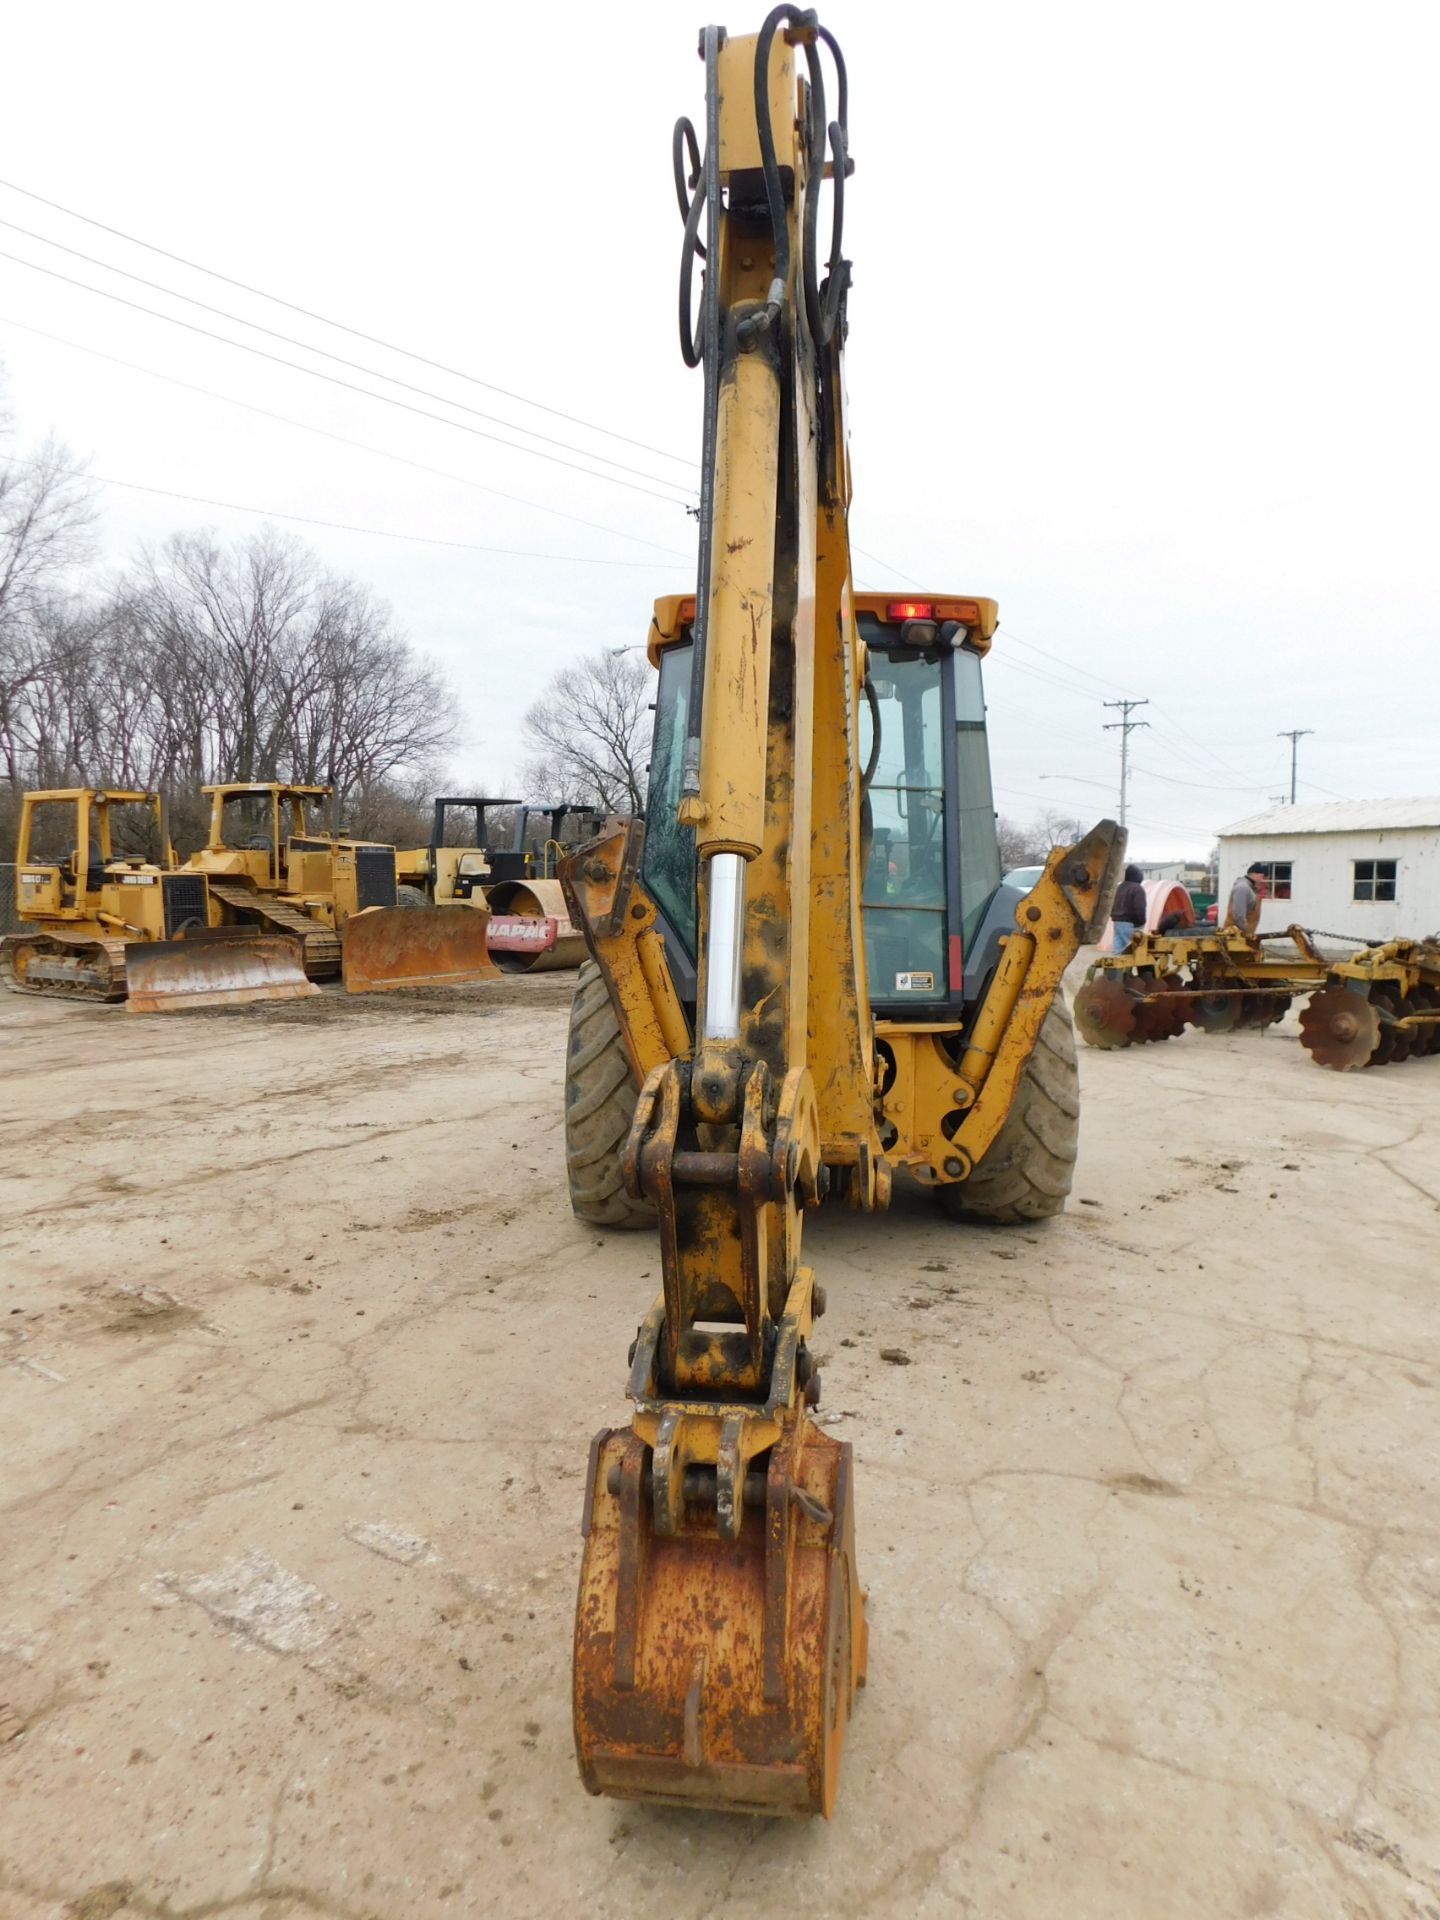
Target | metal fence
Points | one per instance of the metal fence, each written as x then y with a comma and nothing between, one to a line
8,920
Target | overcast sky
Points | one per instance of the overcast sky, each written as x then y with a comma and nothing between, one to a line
1144,343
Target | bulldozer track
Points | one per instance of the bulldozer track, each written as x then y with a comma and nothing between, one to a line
321,944
68,977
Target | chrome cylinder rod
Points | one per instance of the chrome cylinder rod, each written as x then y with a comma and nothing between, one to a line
724,937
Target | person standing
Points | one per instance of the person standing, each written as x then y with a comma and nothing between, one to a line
1244,908
1130,907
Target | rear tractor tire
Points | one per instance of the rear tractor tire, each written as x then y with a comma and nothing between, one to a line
411,898
600,1097
1028,1171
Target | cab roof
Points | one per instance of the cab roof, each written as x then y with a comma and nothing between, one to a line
979,617
285,788
103,796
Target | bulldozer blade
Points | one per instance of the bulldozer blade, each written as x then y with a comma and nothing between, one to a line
711,1673
386,947
170,976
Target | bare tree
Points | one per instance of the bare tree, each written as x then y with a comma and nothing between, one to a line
588,735
207,661
1019,846
1056,828
47,516
263,666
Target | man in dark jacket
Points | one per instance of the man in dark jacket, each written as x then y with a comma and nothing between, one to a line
1130,907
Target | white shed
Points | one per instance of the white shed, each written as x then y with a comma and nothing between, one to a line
1364,867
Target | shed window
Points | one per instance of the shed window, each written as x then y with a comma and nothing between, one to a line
1276,885
1375,879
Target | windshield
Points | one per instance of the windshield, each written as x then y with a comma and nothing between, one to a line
667,866
975,799
249,820
931,784
903,894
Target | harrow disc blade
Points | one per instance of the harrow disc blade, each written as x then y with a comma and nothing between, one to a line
1104,1013
1339,1029
1387,1047
1425,1040
1169,1011
1217,1012
1407,1037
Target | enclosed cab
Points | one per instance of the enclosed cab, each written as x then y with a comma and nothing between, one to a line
933,908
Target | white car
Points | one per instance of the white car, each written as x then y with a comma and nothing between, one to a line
1022,878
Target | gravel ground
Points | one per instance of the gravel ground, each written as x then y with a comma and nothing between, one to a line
303,1351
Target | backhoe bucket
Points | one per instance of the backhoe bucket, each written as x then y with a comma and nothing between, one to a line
220,967
717,1674
387,947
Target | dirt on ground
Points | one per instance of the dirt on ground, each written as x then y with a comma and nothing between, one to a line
301,1351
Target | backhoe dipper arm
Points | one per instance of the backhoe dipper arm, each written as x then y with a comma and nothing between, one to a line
720,1633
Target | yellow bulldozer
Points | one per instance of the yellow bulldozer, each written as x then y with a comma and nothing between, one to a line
270,865
806,979
101,924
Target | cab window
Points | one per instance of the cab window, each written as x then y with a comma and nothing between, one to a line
903,891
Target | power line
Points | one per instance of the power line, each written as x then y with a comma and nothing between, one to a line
1041,673
895,573
1224,765
1157,826
315,373
355,366
1204,786
1059,659
325,433
355,333
336,526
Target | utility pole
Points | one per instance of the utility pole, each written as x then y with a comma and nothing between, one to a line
1294,736
1126,727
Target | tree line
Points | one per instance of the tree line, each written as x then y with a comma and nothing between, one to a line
200,660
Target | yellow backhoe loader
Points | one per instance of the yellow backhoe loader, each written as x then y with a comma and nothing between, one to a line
101,925
804,961
269,866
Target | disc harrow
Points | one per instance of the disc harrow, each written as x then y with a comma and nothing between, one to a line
1217,981
1379,1008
